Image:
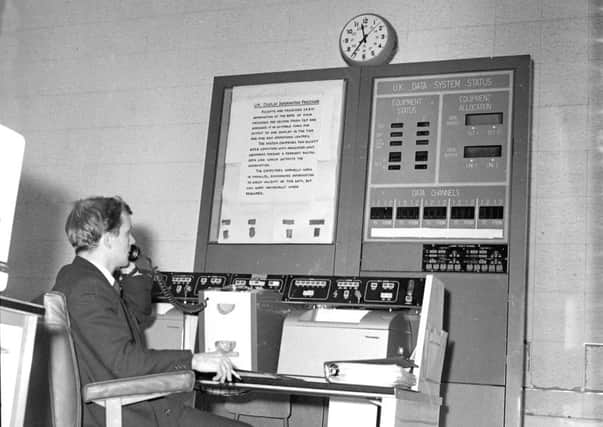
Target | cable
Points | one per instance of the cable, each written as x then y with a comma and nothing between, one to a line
160,279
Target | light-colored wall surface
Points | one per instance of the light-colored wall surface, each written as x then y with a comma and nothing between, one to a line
113,97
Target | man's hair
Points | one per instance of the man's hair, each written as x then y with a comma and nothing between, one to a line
92,217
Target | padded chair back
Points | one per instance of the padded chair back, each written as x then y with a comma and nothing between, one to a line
63,373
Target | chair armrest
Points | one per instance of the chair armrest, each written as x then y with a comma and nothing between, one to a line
164,383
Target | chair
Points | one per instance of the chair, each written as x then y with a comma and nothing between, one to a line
66,394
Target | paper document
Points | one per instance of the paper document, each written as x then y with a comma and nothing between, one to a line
281,164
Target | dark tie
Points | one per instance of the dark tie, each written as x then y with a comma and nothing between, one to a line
117,287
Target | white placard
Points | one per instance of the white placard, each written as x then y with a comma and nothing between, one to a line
10,353
12,146
281,165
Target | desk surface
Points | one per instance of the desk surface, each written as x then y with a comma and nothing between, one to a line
293,385
22,306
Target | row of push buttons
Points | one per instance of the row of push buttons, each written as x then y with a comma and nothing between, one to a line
498,268
443,267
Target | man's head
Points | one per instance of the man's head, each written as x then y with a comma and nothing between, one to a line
101,226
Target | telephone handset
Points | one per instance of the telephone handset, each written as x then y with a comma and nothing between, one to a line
134,254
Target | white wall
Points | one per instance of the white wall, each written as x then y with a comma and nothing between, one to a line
113,97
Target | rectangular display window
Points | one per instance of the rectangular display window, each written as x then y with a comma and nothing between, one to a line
479,151
484,119
278,163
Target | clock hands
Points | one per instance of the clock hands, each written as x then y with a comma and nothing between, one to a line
370,31
363,40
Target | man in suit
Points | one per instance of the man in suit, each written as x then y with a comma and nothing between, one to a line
108,318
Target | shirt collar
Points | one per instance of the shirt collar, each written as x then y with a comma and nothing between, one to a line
105,272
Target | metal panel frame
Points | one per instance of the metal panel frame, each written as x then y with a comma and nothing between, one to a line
296,259
344,257
519,198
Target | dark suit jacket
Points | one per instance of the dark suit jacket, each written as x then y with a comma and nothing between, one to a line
109,342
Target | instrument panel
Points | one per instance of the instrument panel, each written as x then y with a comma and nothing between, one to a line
439,158
355,291
336,291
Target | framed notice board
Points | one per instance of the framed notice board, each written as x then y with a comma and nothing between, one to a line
278,146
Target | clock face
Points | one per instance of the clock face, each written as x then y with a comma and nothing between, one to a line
367,39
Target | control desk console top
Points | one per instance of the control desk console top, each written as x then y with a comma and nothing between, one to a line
334,291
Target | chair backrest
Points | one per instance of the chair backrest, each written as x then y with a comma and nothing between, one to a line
63,373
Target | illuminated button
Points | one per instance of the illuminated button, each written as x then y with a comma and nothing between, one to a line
462,212
407,212
435,212
381,212
421,156
395,156
491,212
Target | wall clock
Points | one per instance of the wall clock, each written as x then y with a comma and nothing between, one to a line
368,39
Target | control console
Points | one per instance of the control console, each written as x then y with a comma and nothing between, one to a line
335,291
